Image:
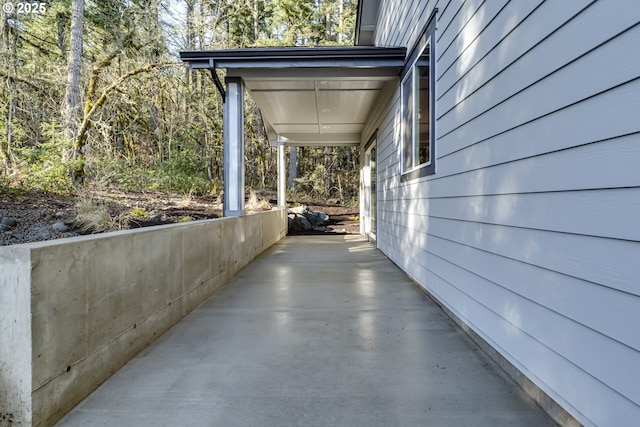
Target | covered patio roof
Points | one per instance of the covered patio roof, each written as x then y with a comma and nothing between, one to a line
308,96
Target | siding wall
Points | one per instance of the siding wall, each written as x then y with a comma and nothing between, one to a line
529,232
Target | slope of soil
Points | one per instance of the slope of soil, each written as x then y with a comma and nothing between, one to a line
44,216
41,216
342,219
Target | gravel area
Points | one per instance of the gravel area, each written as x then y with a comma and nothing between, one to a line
37,216
31,217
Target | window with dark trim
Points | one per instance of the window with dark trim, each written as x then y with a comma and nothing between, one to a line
418,100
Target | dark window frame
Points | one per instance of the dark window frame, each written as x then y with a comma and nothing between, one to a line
408,79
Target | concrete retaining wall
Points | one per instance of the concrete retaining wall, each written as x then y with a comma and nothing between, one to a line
73,311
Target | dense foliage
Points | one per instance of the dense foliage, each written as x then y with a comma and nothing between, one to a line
133,116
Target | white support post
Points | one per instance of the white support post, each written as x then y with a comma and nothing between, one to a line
282,174
233,135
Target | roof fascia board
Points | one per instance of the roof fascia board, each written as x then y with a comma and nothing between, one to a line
329,51
300,63
297,57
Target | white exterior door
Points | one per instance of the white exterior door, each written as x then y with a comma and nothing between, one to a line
369,191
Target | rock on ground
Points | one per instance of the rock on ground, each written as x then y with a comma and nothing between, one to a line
301,218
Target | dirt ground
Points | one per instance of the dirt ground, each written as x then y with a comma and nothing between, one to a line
38,216
342,219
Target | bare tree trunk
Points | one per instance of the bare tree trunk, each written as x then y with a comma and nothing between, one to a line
348,160
340,21
256,28
293,167
4,160
60,21
260,137
327,167
6,156
2,33
190,76
5,151
327,25
193,43
154,56
72,96
205,121
10,115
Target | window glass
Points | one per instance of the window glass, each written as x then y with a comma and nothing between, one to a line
417,105
416,113
422,148
407,120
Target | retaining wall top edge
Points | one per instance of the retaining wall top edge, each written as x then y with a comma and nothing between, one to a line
111,234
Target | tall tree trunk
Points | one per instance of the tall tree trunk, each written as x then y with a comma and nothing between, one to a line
293,167
340,21
5,151
6,156
189,75
72,96
10,115
61,23
327,25
327,167
256,28
154,56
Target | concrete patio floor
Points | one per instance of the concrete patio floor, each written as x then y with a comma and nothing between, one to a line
317,331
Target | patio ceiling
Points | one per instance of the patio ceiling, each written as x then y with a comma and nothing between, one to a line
318,96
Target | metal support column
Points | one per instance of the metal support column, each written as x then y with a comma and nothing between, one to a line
233,135
282,174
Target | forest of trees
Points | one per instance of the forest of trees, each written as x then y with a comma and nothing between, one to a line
92,94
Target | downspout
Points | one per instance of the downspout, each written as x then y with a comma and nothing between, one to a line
216,79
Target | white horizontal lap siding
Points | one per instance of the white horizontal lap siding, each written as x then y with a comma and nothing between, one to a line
388,156
581,81
602,213
575,50
400,21
529,229
522,332
601,262
488,47
389,15
609,265
481,170
456,18
516,292
602,118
